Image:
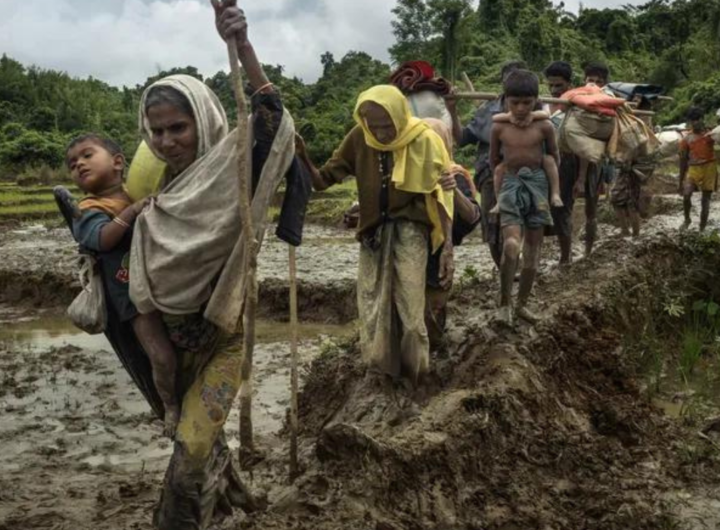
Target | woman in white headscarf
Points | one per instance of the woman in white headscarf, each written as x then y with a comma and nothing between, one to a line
185,249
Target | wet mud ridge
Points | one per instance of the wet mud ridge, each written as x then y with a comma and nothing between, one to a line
38,270
543,427
547,426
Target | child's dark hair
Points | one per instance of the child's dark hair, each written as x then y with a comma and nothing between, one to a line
510,67
597,69
521,84
106,143
695,114
559,69
166,94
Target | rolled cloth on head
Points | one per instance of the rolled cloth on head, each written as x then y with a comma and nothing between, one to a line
189,239
416,76
419,155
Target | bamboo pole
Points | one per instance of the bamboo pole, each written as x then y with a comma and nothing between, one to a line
251,244
471,88
466,81
294,471
490,96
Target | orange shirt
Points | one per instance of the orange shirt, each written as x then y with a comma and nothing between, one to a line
112,206
699,147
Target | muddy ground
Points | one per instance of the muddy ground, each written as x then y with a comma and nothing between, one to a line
548,427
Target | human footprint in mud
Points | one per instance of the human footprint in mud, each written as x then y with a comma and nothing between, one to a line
398,161
104,227
523,195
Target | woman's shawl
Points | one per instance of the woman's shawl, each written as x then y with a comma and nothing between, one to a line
191,233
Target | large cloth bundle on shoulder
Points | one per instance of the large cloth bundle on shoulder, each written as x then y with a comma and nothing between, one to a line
715,134
585,134
669,142
427,104
632,139
593,99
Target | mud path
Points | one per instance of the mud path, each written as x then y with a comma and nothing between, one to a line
80,444
533,427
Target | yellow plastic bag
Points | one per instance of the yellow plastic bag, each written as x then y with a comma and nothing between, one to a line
145,174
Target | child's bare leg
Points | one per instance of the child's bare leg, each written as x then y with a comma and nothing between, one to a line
512,235
688,189
150,331
634,216
705,209
531,260
497,184
551,170
623,218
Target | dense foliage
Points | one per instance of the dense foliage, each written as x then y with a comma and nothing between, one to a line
675,44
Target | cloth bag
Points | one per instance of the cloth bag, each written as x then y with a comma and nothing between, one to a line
631,139
577,135
427,104
88,311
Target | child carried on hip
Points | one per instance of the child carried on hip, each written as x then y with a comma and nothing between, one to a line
104,227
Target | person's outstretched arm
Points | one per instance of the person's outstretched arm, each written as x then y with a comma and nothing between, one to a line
318,183
230,22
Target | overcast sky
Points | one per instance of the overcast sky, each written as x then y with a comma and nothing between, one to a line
125,41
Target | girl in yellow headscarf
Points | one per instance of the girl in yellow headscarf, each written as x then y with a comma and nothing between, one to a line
398,161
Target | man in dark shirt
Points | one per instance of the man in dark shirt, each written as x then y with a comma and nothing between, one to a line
559,80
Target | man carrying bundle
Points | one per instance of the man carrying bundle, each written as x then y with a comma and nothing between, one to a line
559,80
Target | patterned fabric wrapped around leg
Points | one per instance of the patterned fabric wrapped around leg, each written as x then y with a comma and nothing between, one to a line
201,482
391,300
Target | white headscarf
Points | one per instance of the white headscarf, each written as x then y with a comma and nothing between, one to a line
210,118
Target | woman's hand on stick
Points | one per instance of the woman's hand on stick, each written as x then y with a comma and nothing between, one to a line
230,21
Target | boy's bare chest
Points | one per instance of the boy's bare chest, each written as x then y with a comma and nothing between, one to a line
512,136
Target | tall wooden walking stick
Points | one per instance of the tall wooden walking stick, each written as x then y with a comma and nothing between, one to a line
294,366
251,246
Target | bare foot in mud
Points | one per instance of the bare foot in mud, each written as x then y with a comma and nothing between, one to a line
504,315
686,224
528,316
172,418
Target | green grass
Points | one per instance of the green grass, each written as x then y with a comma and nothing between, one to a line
29,211
36,202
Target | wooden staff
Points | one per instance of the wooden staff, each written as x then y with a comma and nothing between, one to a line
471,88
249,306
489,96
294,471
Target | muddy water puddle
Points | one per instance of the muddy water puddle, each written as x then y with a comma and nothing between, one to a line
692,398
66,401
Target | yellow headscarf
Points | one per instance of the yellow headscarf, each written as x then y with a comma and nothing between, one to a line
419,154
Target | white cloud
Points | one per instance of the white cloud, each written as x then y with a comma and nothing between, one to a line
125,41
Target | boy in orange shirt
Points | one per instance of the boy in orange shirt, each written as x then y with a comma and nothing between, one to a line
698,168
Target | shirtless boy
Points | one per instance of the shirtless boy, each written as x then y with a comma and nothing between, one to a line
549,164
523,196
104,227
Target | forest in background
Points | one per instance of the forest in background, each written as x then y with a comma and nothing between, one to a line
675,44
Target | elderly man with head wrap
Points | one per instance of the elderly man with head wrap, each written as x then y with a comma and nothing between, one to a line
398,161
